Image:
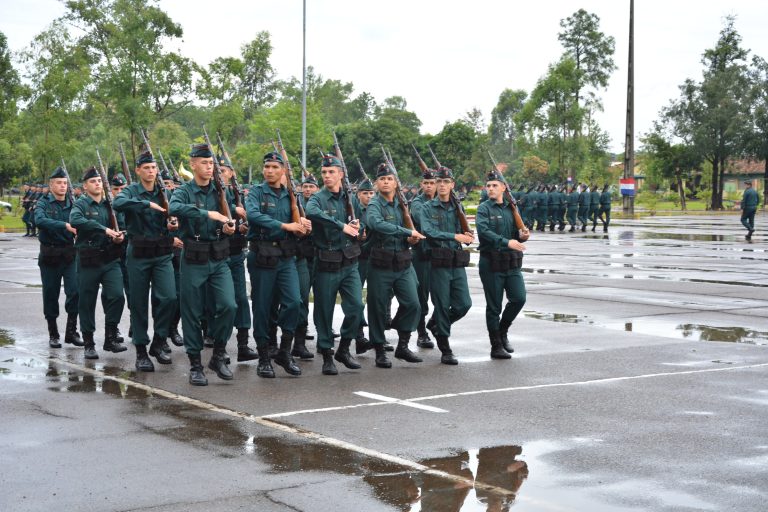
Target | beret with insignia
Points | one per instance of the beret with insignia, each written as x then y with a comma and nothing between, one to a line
200,151
444,173
145,158
365,185
58,173
165,175
118,180
429,174
310,179
89,173
224,161
383,170
331,160
273,156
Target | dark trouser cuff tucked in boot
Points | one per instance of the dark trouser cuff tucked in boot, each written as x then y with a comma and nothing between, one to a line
143,362
218,363
244,352
382,361
156,350
447,356
402,351
329,368
300,344
89,346
497,350
53,334
110,340
503,336
423,340
284,358
71,335
264,368
196,373
344,357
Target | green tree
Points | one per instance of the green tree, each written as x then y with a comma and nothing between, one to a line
670,161
757,137
10,84
503,130
15,162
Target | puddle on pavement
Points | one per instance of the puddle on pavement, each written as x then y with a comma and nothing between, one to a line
691,237
664,329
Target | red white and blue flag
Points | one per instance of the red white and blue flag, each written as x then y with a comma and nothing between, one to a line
627,186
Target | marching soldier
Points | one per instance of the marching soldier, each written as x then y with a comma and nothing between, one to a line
390,269
583,207
116,185
448,285
98,255
365,193
204,267
148,260
305,266
421,256
272,264
501,257
749,202
594,206
572,202
57,258
336,271
605,208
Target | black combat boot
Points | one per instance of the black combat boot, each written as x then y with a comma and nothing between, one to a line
382,361
561,227
343,355
573,228
503,336
423,340
272,341
594,225
402,351
447,356
300,344
264,368
175,336
605,227
143,362
196,374
497,350
71,335
551,226
284,357
54,341
329,368
583,228
165,346
90,346
244,352
110,339
362,345
156,350
218,363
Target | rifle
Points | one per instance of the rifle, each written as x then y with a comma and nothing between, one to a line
219,183
304,172
233,181
165,167
297,209
176,175
463,221
70,192
407,220
107,194
362,171
522,229
345,182
124,162
159,182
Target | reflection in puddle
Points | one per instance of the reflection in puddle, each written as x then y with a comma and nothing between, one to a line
559,317
6,338
693,237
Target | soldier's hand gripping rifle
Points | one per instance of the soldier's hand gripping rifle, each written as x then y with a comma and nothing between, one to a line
107,195
70,192
351,219
124,163
297,209
463,220
219,183
524,234
233,181
407,220
159,183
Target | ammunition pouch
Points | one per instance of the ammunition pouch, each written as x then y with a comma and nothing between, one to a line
237,244
305,249
151,247
289,246
424,254
266,254
504,261
90,257
329,261
402,260
196,253
382,258
351,253
53,256
442,257
220,250
460,258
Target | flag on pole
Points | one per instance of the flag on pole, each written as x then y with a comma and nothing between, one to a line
627,186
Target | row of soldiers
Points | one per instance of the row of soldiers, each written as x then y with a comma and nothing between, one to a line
183,253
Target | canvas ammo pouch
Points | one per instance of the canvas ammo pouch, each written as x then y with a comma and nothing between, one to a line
52,256
351,253
402,260
111,252
329,261
499,260
219,250
266,254
460,258
289,247
196,252
306,249
442,257
382,258
151,247
90,257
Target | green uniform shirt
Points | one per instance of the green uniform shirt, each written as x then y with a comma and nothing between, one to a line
572,199
595,198
90,218
440,224
191,204
385,220
605,199
495,226
133,202
328,213
267,211
51,217
749,201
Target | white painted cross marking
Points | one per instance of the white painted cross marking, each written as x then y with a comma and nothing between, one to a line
407,403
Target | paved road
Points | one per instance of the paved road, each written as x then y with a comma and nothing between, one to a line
639,382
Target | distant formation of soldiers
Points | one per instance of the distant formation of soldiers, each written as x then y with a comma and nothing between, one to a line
179,251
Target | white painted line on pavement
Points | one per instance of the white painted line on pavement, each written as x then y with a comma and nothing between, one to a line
391,400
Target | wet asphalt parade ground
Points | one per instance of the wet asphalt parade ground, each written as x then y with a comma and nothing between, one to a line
639,382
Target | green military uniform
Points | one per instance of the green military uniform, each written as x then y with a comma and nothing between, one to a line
572,207
749,202
238,244
594,206
528,206
561,203
57,262
422,266
542,201
448,288
390,270
272,267
553,206
605,208
98,261
336,273
305,267
149,262
499,271
204,270
583,210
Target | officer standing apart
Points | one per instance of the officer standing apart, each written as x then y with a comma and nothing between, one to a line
204,268
336,272
448,283
148,260
501,256
390,269
749,202
57,258
272,264
98,255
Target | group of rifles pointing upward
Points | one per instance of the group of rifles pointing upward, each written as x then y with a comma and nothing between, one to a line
180,251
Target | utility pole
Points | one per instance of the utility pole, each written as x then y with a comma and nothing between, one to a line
629,139
304,90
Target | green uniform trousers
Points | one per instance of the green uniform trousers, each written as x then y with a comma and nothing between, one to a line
495,285
305,283
572,211
157,273
423,269
450,297
381,284
237,269
199,281
109,276
266,283
345,282
748,218
604,214
582,214
51,276
362,269
126,284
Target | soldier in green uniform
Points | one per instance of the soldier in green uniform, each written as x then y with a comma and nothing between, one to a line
305,267
448,287
204,269
98,263
583,203
116,185
390,269
541,208
272,264
149,255
594,206
501,257
572,207
336,273
365,193
553,206
604,213
749,201
561,203
527,205
57,258
421,257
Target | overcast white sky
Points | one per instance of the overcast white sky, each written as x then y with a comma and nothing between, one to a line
447,57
